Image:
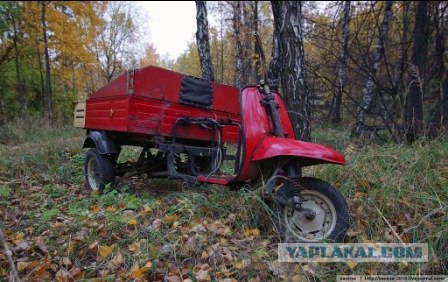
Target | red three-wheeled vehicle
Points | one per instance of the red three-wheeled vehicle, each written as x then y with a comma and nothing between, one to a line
198,131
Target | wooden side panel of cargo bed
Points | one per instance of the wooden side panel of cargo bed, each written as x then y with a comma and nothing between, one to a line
107,114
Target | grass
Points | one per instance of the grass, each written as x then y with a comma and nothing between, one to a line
160,228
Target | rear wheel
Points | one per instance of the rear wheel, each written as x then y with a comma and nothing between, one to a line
99,170
331,219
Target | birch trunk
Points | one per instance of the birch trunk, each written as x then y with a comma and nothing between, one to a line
367,92
202,39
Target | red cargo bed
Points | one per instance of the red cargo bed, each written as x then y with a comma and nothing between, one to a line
148,101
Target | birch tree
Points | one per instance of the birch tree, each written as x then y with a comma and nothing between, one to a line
202,39
288,18
367,92
236,24
335,110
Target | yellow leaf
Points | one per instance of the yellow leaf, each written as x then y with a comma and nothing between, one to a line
170,219
105,251
352,264
132,221
22,265
148,265
138,272
18,238
95,209
111,209
135,247
70,247
145,210
251,234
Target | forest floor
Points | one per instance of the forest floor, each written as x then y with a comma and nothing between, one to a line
161,230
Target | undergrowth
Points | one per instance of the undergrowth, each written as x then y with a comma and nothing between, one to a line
160,229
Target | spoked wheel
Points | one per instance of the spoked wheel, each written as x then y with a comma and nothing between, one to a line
99,170
328,221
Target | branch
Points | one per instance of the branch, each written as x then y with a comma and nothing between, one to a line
14,274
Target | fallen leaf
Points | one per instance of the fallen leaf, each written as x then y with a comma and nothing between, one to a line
228,280
404,219
62,275
95,209
138,272
22,265
18,238
111,209
66,262
147,266
93,245
41,271
105,251
204,255
70,247
76,273
173,278
227,258
202,276
132,221
135,247
103,234
251,234
352,264
307,269
242,264
219,228
41,244
156,224
198,228
145,211
114,263
170,218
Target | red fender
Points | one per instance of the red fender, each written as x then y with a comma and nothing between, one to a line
308,153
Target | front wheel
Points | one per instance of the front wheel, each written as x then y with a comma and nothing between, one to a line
331,214
99,170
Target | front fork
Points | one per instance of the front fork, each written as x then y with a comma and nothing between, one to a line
285,174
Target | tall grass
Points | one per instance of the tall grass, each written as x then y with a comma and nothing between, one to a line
395,192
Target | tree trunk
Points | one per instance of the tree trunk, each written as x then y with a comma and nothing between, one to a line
256,52
49,97
367,92
413,115
288,16
202,40
439,122
236,23
399,85
335,110
20,84
222,50
247,28
274,65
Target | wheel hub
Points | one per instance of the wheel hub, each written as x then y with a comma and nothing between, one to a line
316,222
93,174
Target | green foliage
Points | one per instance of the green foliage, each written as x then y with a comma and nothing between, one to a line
5,191
48,215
